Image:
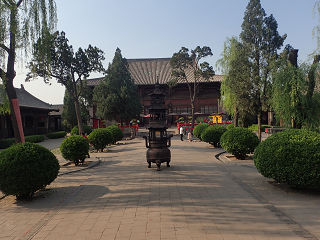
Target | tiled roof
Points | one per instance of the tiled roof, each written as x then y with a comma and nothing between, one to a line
94,81
147,71
57,113
27,100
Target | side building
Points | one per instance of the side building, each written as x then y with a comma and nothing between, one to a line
147,72
34,115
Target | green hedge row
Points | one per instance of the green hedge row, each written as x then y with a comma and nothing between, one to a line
5,143
56,135
254,127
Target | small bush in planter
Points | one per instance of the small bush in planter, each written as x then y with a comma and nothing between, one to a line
100,138
181,120
239,142
117,133
26,168
213,134
291,156
198,129
75,149
75,130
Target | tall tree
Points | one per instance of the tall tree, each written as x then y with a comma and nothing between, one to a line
21,22
184,62
69,68
295,100
69,115
235,87
116,96
316,29
261,40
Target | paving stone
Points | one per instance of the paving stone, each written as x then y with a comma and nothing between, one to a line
198,197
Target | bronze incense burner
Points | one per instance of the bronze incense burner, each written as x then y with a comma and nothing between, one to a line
158,141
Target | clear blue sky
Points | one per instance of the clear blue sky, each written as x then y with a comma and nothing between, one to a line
157,29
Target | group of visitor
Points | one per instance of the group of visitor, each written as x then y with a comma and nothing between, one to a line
182,133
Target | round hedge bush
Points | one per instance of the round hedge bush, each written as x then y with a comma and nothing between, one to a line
231,125
75,149
213,134
86,128
239,142
117,133
26,168
291,156
198,129
100,138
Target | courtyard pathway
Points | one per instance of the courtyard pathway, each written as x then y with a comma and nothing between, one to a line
203,195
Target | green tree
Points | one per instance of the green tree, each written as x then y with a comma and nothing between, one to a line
69,115
316,29
21,22
116,96
183,63
261,41
235,87
295,100
69,68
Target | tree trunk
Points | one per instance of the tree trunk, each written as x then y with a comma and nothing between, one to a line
259,126
312,77
75,96
15,112
10,75
235,118
78,113
121,123
192,114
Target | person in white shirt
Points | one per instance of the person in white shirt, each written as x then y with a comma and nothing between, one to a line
181,133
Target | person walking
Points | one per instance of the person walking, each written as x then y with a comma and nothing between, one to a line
181,133
190,136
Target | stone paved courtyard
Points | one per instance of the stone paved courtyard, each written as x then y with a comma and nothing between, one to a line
201,196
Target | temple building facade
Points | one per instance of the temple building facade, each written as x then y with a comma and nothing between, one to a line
34,115
147,72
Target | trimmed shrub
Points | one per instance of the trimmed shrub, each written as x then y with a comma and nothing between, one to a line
26,168
198,129
213,134
75,149
291,156
231,125
254,127
5,143
35,138
117,133
239,141
75,130
56,135
100,138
